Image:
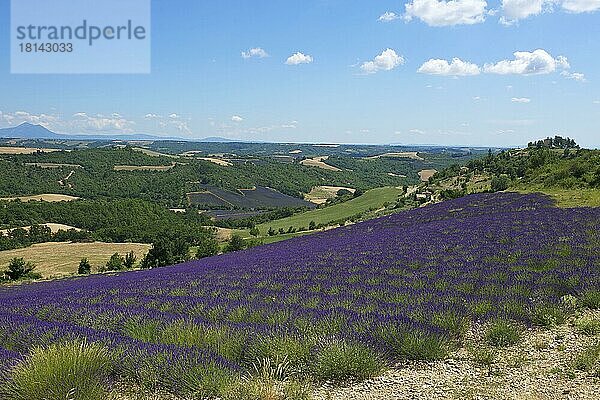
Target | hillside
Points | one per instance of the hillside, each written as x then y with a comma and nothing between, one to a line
337,305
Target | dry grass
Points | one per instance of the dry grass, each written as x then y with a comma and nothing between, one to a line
53,227
218,161
426,174
321,194
25,150
319,162
61,259
53,166
410,154
153,153
161,168
48,197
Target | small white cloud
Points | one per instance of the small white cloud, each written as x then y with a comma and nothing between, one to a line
526,63
386,61
255,52
447,13
580,6
173,116
388,16
237,118
151,116
515,10
577,76
522,100
456,68
477,98
299,58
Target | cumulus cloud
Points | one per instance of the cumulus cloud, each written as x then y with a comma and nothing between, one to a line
581,6
447,13
101,123
255,52
386,61
526,63
299,58
522,100
577,76
456,68
151,116
515,10
388,16
19,117
237,118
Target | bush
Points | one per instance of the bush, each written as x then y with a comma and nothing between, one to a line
19,269
500,183
85,268
338,360
502,333
587,360
208,248
77,371
588,326
236,243
411,344
129,260
590,299
115,263
548,316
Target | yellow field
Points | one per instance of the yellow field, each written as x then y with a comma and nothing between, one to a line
53,227
218,161
411,154
426,174
48,197
319,162
153,153
24,150
321,194
54,166
62,259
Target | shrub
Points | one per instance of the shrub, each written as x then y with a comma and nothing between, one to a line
588,326
207,248
548,315
500,183
411,344
295,350
115,263
590,299
588,358
19,269
129,260
502,333
338,360
77,371
85,268
236,243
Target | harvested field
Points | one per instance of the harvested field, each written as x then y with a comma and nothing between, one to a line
153,153
53,166
50,198
161,168
426,174
61,259
321,194
25,150
218,161
410,154
319,162
53,227
259,197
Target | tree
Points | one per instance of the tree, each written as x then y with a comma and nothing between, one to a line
85,268
272,232
236,243
166,251
255,232
115,263
207,248
312,226
19,269
500,183
129,260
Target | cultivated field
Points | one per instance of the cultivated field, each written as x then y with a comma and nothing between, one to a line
257,197
53,227
371,200
218,161
438,300
426,174
410,154
159,168
53,165
321,194
60,259
48,197
319,162
25,150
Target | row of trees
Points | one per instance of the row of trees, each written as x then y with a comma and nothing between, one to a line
21,237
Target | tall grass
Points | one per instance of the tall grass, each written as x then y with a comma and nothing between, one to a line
65,371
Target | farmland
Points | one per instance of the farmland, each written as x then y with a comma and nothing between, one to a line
62,259
337,305
371,200
48,197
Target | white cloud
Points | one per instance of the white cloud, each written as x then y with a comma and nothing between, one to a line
256,52
581,6
447,13
299,58
19,117
173,116
388,16
386,61
522,100
237,118
100,123
151,116
515,10
526,63
477,98
456,68
577,76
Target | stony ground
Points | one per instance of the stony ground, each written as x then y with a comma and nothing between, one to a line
539,367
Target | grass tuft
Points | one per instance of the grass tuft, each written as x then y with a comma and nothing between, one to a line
590,299
338,360
588,326
502,333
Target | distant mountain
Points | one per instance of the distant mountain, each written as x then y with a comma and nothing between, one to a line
29,131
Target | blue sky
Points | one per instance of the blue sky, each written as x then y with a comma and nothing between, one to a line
339,71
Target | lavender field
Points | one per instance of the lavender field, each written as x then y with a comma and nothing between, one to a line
402,287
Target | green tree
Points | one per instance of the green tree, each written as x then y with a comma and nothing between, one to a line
85,268
19,269
207,248
255,232
312,226
166,251
115,263
129,260
236,243
500,183
272,232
